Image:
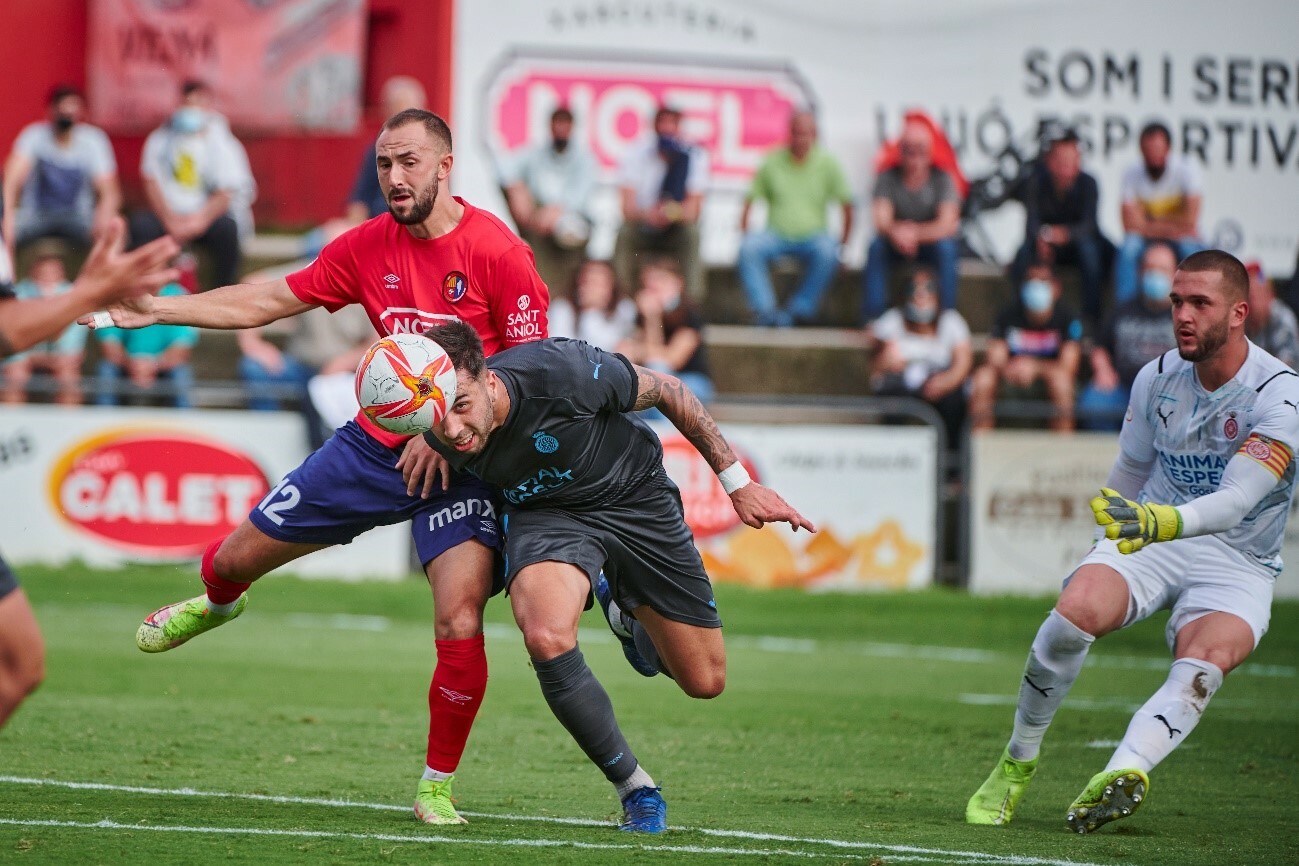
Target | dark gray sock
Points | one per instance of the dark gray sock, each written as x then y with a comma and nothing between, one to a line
646,647
583,707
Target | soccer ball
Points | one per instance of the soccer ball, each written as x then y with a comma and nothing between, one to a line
405,383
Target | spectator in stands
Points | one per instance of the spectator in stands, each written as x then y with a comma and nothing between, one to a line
59,356
145,356
60,179
798,183
669,334
1270,325
662,186
922,351
198,184
599,312
1060,202
1034,343
1161,202
1133,335
319,343
549,194
917,214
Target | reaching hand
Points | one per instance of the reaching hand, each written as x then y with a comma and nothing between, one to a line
1135,525
758,505
420,465
124,282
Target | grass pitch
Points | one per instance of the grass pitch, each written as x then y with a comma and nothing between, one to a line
853,730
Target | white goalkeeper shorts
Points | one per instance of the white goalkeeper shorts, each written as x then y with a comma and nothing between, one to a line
1191,577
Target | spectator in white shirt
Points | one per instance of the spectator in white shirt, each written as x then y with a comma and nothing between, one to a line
599,311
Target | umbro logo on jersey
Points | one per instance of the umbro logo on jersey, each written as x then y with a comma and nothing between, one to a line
391,281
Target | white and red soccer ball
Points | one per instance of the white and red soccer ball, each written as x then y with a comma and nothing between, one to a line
405,383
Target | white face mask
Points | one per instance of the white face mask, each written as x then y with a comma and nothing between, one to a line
920,315
1037,296
188,119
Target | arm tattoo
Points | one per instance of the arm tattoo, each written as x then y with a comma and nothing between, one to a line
686,413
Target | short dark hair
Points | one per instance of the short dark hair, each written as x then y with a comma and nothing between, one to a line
60,92
192,85
433,125
561,113
1155,127
1235,279
666,111
462,344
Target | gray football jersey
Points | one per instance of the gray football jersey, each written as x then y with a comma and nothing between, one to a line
567,441
1189,434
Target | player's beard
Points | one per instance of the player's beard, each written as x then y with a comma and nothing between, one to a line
1210,341
421,206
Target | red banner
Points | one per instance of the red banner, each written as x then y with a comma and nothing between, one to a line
275,65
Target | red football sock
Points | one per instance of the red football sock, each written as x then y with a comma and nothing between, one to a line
219,590
459,683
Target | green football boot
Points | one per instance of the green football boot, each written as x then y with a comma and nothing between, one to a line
169,627
433,803
1110,795
995,801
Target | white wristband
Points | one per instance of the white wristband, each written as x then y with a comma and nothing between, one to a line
733,477
101,320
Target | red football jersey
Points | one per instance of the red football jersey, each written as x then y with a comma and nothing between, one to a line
480,272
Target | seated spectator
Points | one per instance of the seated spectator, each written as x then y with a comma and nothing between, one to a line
917,214
921,351
1270,325
60,356
1161,202
1034,343
599,312
60,179
662,184
146,356
198,184
669,334
1060,220
549,194
320,343
1133,335
797,182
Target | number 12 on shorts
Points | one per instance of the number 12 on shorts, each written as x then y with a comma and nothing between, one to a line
283,497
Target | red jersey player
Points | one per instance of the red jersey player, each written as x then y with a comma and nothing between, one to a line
431,258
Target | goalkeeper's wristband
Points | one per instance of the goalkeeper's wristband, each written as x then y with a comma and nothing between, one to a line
1167,527
733,477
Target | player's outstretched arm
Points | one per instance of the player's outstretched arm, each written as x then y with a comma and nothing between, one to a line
247,305
754,503
108,275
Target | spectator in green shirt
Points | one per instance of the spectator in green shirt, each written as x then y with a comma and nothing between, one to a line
797,182
147,355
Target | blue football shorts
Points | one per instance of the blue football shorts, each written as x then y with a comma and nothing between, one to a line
351,484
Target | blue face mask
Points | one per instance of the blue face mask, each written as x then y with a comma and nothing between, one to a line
188,119
1037,296
1156,285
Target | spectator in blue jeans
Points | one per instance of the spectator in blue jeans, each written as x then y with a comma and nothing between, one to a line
917,214
147,355
798,183
1161,202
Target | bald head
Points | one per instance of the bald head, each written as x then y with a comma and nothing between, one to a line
802,133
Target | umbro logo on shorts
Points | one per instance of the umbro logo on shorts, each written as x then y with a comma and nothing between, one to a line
454,697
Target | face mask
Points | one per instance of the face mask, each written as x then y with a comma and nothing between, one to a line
920,315
188,119
1037,296
64,122
561,145
1156,285
671,304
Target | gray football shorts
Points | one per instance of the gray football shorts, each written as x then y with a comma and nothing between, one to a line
645,549
8,582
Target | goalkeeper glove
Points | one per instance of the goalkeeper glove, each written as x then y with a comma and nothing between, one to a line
1134,525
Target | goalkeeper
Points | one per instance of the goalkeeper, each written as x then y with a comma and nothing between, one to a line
1191,520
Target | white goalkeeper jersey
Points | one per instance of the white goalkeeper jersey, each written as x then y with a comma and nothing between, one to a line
1187,434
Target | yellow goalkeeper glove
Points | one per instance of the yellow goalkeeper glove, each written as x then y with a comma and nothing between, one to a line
1134,525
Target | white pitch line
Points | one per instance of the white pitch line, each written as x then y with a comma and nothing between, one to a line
965,857
1116,704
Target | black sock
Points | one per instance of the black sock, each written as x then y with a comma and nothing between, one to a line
583,707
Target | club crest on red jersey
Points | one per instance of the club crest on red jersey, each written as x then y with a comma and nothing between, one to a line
454,286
